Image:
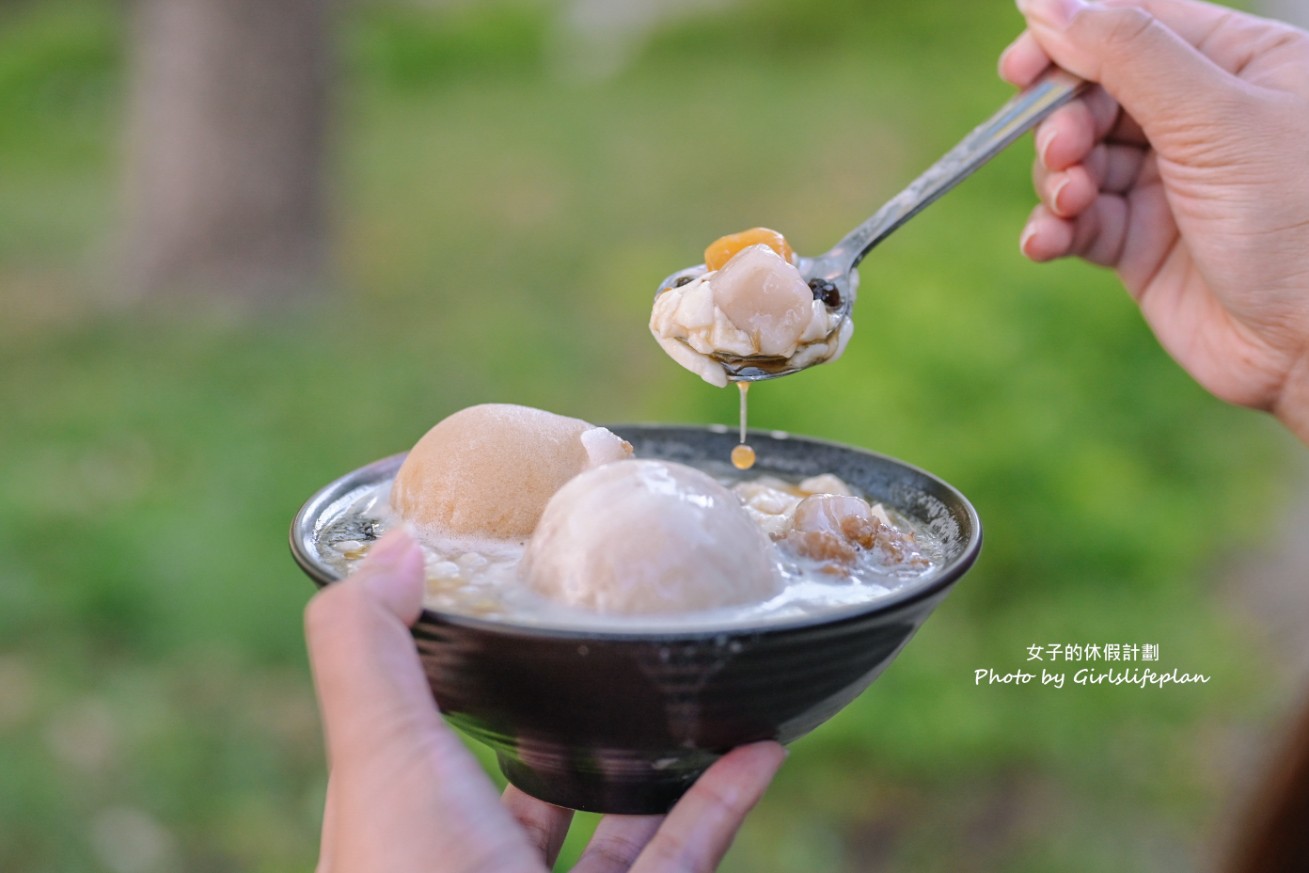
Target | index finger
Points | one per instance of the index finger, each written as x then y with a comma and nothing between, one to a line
1223,35
1023,61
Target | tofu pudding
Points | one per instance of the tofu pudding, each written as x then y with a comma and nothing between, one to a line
752,305
640,543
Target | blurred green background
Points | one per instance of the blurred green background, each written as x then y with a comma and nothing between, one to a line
507,185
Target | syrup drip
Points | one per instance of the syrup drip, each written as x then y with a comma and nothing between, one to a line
743,456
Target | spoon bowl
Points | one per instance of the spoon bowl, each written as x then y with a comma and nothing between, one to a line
836,271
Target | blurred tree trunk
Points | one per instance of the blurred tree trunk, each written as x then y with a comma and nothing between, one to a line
227,153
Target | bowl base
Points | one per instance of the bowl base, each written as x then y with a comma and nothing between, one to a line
602,791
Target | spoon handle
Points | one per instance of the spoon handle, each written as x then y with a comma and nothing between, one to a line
1015,118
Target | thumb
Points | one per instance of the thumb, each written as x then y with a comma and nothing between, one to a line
404,792
1143,60
368,676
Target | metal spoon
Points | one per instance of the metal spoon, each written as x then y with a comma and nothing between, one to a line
838,265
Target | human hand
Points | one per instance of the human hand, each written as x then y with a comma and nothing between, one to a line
1187,172
405,795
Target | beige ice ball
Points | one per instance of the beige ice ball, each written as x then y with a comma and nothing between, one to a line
489,470
648,537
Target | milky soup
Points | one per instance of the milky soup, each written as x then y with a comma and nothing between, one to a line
830,546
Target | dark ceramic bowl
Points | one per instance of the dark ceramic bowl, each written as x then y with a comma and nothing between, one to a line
624,722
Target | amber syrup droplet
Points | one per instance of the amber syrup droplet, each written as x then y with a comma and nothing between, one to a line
742,455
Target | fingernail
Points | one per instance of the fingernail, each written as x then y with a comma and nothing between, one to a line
1046,136
1057,14
1028,232
393,573
390,550
999,64
1054,195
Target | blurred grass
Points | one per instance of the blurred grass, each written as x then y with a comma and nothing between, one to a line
501,228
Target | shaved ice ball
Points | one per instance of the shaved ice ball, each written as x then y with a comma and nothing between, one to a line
489,470
649,537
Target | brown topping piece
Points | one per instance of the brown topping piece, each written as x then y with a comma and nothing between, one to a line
821,545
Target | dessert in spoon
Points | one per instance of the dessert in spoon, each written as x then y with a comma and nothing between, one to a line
755,310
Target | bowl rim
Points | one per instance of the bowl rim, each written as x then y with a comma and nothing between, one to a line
896,601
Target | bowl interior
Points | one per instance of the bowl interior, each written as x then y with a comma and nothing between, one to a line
915,493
